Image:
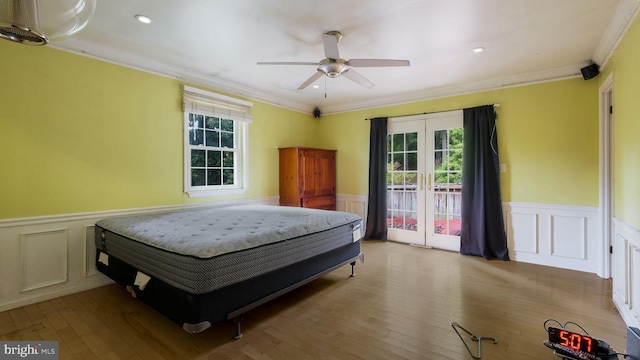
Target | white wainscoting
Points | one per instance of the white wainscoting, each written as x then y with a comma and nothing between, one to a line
356,204
46,257
626,272
554,235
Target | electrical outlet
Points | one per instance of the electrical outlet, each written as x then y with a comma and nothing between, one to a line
503,168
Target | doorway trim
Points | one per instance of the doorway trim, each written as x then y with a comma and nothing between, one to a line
605,169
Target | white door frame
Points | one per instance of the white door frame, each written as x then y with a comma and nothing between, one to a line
606,174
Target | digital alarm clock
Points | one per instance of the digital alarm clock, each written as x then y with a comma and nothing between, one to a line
572,345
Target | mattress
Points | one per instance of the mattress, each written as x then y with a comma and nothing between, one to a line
205,249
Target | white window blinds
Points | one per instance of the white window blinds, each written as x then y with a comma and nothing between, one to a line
211,104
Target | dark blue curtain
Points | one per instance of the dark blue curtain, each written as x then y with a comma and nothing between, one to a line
482,221
377,208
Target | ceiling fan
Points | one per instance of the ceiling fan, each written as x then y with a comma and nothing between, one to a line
333,66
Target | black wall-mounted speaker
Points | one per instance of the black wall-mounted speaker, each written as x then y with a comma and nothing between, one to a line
590,71
316,112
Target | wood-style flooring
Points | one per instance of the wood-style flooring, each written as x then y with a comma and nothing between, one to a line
400,305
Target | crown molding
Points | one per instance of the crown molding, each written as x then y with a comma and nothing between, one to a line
622,19
624,16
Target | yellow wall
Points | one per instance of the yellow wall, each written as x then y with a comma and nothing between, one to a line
77,135
548,137
626,144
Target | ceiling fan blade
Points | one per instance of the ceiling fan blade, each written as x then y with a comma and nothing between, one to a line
310,80
330,41
377,62
286,63
358,78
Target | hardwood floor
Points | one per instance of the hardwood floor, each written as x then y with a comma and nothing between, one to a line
400,305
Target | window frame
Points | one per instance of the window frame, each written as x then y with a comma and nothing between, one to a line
241,141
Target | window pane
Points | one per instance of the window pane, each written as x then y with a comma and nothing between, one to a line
455,200
213,138
227,140
441,178
226,125
412,141
440,203
398,142
199,121
443,158
227,159
410,221
411,200
214,177
412,161
455,160
196,136
440,139
212,122
411,178
213,158
398,200
398,161
455,138
197,158
398,178
228,176
437,160
197,177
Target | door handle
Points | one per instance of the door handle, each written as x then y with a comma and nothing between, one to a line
421,185
429,182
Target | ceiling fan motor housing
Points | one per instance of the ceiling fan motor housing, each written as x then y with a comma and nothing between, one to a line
333,67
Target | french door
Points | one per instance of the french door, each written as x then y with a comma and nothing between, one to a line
424,179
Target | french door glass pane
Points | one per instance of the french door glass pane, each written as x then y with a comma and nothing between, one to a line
447,162
402,181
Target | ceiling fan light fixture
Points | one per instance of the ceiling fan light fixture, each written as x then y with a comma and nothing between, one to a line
332,67
37,22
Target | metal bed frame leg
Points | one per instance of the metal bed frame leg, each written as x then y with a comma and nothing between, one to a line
238,334
353,271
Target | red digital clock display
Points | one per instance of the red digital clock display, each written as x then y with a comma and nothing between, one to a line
573,340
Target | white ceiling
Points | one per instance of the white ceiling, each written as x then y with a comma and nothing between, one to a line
217,44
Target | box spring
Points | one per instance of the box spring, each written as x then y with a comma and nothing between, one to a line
186,308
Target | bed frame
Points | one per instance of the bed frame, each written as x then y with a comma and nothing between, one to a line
197,312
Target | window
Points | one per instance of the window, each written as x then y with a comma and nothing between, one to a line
215,143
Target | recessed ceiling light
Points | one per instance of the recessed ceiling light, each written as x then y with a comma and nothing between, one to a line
316,86
143,19
478,50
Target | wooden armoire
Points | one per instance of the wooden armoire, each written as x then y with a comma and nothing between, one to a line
308,178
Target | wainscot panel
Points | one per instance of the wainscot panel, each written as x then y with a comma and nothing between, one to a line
46,257
626,272
554,235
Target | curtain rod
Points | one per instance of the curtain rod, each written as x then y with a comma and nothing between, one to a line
425,113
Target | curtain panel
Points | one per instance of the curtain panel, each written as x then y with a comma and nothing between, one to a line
482,231
377,207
